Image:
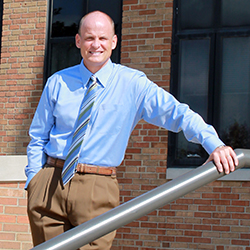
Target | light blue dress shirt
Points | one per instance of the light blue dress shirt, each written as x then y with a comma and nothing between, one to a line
125,97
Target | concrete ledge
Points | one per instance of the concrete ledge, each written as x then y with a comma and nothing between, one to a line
242,174
12,167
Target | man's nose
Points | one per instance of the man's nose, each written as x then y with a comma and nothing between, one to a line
96,43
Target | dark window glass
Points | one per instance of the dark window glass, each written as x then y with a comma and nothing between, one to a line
211,72
193,90
66,16
235,13
192,10
112,8
69,57
194,74
234,112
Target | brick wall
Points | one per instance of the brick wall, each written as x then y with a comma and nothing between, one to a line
214,217
21,70
21,75
14,226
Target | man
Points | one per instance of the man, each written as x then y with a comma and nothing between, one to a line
59,198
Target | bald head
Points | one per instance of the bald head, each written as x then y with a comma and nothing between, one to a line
96,15
96,39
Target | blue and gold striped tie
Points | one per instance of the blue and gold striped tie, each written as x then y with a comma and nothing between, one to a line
71,160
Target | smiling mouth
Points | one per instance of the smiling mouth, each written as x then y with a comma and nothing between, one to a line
95,52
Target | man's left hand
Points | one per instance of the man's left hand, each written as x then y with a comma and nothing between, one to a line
224,158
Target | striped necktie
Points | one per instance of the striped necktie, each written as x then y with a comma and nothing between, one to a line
71,160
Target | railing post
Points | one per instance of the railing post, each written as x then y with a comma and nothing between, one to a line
139,206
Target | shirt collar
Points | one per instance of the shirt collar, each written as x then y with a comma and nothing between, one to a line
102,75
85,74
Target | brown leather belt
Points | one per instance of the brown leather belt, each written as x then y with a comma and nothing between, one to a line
84,168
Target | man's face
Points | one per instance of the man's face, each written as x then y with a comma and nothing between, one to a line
96,41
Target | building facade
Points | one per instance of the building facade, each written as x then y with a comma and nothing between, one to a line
216,216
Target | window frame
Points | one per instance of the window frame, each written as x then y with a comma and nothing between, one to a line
1,25
215,33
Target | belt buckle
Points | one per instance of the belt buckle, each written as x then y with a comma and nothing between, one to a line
80,167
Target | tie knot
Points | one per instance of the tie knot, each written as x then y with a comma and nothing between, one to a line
92,82
93,78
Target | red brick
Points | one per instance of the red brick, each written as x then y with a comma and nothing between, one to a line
203,215
207,208
202,240
230,196
245,236
8,201
157,231
221,215
15,228
184,239
240,242
130,236
211,221
221,228
202,227
7,218
128,2
15,210
235,209
221,202
7,236
166,238
147,12
220,248
241,216
222,190
10,245
240,203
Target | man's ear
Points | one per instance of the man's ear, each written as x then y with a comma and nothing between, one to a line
114,42
78,41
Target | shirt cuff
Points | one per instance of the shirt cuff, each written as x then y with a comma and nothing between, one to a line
31,175
211,144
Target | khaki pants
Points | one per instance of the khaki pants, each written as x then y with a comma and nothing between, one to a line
54,209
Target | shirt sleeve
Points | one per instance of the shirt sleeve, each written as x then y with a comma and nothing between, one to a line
39,131
162,109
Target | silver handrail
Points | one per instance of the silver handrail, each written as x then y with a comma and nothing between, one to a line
139,206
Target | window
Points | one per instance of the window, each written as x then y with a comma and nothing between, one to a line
63,20
211,72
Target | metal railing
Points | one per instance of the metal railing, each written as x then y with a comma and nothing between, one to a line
139,206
